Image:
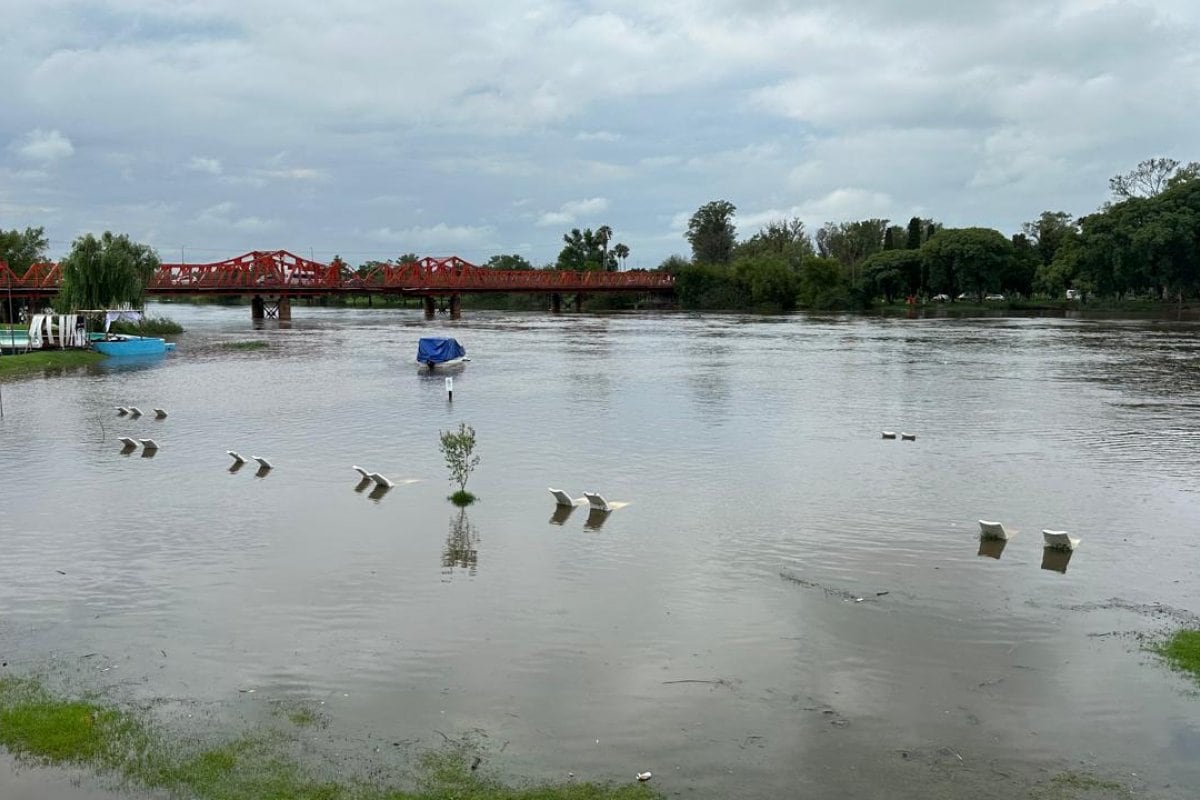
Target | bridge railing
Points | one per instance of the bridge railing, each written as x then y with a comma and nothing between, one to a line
44,277
279,272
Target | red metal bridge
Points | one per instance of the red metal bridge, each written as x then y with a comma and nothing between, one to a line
279,273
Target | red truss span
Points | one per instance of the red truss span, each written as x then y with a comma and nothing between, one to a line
282,273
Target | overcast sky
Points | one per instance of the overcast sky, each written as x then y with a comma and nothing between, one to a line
371,128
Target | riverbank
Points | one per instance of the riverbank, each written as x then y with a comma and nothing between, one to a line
46,362
40,726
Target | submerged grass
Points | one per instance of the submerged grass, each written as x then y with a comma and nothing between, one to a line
25,364
1079,786
250,344
40,726
1182,651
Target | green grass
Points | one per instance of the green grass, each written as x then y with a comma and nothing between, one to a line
149,326
250,344
39,726
1079,786
38,361
462,498
1182,652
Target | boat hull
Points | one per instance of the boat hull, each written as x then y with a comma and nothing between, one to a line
133,346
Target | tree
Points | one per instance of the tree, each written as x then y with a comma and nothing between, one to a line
407,258
22,249
513,261
966,259
583,251
673,264
783,237
1049,232
1150,177
914,239
459,447
621,251
821,283
603,236
769,278
711,233
892,272
107,272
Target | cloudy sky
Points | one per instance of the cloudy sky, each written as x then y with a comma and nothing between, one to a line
371,128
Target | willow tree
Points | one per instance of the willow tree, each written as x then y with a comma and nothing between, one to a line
106,272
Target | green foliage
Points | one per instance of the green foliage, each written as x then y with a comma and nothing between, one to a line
822,285
45,362
39,727
711,233
513,261
769,279
851,242
22,249
621,252
674,264
149,326
1049,232
1182,652
893,273
458,447
107,272
710,287
585,250
780,237
966,259
249,344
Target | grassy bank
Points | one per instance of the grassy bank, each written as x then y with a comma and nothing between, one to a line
48,361
250,344
1182,652
39,726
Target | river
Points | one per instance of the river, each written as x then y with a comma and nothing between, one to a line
789,605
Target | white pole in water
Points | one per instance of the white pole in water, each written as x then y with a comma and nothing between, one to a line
450,389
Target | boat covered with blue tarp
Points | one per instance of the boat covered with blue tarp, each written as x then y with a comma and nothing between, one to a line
440,351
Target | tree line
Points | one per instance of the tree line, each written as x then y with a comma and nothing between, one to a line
1145,242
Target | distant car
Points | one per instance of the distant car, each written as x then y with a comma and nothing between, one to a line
940,298
994,297
1074,294
964,296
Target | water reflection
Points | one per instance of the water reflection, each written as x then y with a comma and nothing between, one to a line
149,452
379,491
560,515
596,519
235,466
992,548
362,485
263,471
461,549
127,449
1055,559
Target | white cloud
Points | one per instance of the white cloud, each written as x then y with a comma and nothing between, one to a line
597,136
211,166
573,210
44,146
435,238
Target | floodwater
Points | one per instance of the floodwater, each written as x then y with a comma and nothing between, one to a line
789,605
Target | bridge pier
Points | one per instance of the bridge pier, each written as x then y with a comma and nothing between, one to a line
555,303
455,306
280,308
430,303
578,302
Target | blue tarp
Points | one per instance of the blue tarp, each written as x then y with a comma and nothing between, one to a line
438,349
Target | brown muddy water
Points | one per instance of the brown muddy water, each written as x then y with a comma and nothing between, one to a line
788,606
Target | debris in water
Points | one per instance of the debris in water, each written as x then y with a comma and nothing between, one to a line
644,776
475,762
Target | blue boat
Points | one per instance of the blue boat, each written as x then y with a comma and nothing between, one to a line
120,344
440,351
